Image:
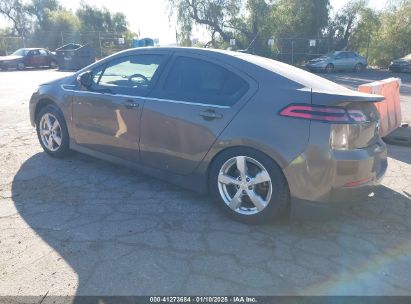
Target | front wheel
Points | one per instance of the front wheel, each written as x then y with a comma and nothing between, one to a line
21,66
249,186
329,68
52,131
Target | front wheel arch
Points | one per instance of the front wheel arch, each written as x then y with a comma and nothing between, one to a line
42,104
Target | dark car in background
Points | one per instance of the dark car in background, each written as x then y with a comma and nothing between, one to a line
28,57
255,133
338,61
401,65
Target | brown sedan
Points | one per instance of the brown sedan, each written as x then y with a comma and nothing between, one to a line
23,58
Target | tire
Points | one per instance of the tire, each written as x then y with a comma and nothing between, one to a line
358,68
53,64
21,66
329,68
53,138
276,198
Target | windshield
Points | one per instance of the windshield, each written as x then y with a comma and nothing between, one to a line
20,52
328,55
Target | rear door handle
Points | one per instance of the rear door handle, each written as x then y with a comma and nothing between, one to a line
210,115
131,104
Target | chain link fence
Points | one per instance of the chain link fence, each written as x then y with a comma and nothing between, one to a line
296,51
103,42
10,44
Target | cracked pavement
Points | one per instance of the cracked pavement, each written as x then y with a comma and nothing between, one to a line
81,226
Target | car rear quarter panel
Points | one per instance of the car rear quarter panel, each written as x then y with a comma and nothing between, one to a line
258,125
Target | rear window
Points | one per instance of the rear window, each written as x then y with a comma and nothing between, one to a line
199,81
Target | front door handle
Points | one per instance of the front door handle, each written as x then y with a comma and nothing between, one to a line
210,115
131,104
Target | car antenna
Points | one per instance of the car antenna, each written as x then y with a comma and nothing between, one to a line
247,50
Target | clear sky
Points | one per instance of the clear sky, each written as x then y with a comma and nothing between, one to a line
151,18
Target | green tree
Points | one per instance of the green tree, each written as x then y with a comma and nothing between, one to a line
15,12
251,22
344,22
364,34
57,25
300,18
97,19
41,9
392,40
213,14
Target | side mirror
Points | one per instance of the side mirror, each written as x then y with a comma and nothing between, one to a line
86,79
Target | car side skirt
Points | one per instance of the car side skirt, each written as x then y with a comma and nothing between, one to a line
193,182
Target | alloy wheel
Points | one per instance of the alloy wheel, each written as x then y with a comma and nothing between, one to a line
50,132
245,185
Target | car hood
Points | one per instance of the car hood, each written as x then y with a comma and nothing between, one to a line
65,80
402,61
319,59
10,58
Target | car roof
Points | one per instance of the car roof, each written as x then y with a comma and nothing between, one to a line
32,49
301,78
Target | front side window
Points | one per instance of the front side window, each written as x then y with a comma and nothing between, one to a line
199,81
339,56
34,53
127,75
43,52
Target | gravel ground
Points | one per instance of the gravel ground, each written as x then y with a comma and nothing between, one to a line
81,226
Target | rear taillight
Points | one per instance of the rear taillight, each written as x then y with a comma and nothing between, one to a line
325,114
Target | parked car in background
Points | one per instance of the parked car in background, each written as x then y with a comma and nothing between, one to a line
338,61
28,57
401,65
255,133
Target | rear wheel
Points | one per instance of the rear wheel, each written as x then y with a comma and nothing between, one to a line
249,186
53,64
358,67
52,131
329,68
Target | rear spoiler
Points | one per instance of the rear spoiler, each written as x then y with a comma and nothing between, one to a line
334,99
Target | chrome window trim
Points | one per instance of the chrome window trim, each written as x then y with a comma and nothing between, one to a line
64,87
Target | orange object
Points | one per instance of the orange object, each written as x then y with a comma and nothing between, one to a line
390,107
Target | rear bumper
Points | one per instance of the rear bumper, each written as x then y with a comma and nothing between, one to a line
340,176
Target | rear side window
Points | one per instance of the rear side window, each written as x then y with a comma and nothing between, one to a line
199,81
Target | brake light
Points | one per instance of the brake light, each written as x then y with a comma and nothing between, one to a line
357,183
323,113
